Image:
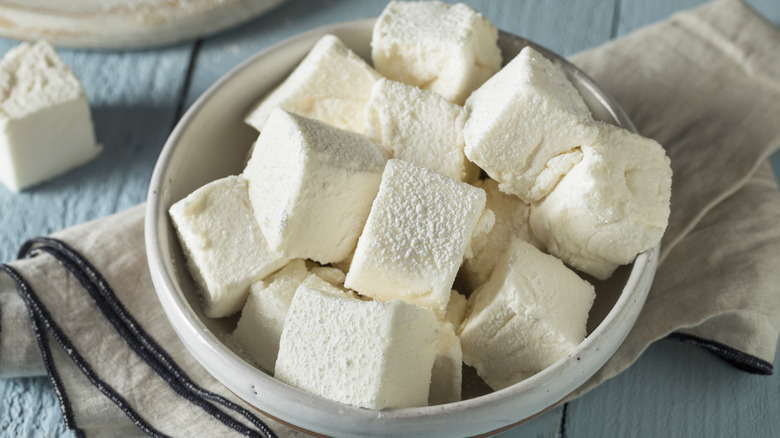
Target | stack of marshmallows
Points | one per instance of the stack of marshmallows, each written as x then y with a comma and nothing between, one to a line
362,203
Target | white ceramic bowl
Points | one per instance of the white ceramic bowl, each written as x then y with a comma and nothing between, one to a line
211,142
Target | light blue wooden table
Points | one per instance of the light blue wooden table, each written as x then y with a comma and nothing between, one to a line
137,96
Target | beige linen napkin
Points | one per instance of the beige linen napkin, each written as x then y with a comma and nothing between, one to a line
705,84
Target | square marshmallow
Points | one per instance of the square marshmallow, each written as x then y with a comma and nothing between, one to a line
225,249
415,237
532,312
526,125
262,319
45,123
311,186
331,84
419,126
260,327
611,206
369,354
449,49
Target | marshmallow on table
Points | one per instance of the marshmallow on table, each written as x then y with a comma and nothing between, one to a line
419,126
311,186
226,251
511,220
526,125
532,312
369,354
331,84
449,49
611,206
262,319
416,235
45,123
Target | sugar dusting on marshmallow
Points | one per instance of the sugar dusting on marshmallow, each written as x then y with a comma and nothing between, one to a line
45,123
531,313
449,49
609,207
526,125
225,249
416,235
369,354
332,84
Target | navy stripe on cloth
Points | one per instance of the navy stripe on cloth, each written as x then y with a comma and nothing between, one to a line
133,334
738,359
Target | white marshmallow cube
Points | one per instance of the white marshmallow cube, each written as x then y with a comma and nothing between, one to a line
226,251
526,125
449,49
45,123
369,354
311,186
609,207
416,235
531,313
419,126
332,84
511,220
262,319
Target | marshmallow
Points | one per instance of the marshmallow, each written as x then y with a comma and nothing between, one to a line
334,276
415,237
262,319
311,186
419,126
510,215
369,354
447,372
609,207
456,309
526,125
449,49
45,123
225,249
332,84
531,313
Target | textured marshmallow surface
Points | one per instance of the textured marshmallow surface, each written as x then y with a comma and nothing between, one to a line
609,207
262,319
511,220
526,125
449,49
45,123
332,84
225,249
311,186
419,126
369,354
415,237
532,312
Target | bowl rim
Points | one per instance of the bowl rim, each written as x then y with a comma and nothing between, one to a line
200,340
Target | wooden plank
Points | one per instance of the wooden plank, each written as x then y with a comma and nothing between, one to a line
679,390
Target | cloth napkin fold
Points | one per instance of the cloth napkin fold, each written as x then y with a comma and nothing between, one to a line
704,83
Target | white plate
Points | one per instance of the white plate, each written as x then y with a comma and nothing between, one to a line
112,24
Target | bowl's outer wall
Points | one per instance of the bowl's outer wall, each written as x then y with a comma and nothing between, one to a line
211,142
